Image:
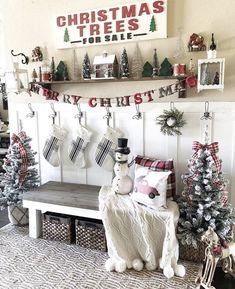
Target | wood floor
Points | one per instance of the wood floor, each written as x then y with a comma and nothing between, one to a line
221,280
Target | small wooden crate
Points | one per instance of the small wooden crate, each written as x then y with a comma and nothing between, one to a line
90,233
58,227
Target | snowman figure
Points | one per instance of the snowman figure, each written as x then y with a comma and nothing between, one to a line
122,183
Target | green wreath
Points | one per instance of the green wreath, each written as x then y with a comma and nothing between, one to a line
171,121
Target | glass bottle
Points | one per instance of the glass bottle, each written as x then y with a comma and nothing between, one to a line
213,45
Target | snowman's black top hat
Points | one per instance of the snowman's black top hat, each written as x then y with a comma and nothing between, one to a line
122,146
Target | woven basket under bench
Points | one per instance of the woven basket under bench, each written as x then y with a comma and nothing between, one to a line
58,227
90,233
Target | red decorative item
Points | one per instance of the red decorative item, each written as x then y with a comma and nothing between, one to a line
23,154
92,102
224,198
182,69
160,166
217,250
138,98
196,43
213,148
191,81
224,244
46,76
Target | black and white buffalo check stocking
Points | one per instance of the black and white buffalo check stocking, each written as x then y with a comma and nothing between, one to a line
77,148
52,145
104,155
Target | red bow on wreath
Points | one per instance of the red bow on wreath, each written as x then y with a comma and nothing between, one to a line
213,148
23,154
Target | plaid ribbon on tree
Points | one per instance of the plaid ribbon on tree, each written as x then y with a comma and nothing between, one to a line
213,148
224,198
17,139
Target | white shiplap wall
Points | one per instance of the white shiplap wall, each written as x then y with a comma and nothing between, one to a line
144,135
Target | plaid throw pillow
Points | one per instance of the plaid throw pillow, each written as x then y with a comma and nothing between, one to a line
150,187
160,166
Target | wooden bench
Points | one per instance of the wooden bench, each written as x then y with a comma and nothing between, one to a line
65,198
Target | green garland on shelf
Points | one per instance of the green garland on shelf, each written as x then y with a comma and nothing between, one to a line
171,121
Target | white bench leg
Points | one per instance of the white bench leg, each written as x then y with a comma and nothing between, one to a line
34,223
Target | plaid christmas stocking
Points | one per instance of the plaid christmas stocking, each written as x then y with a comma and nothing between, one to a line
52,145
77,147
104,155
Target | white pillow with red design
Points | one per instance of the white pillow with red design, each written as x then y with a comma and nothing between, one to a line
150,187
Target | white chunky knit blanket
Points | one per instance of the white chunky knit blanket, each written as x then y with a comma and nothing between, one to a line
135,232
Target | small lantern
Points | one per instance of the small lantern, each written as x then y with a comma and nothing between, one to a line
16,79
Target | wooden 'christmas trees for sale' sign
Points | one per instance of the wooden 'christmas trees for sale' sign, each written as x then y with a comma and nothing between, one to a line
120,23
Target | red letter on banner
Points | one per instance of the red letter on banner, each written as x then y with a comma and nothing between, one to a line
46,93
138,99
90,102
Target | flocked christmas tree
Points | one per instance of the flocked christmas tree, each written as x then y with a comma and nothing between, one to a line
124,65
86,67
20,172
204,199
205,76
137,63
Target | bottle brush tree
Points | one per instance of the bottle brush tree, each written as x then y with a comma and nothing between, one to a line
124,65
86,67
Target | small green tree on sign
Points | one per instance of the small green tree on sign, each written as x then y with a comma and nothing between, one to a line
152,25
66,35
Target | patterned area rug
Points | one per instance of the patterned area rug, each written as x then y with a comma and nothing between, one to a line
27,263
